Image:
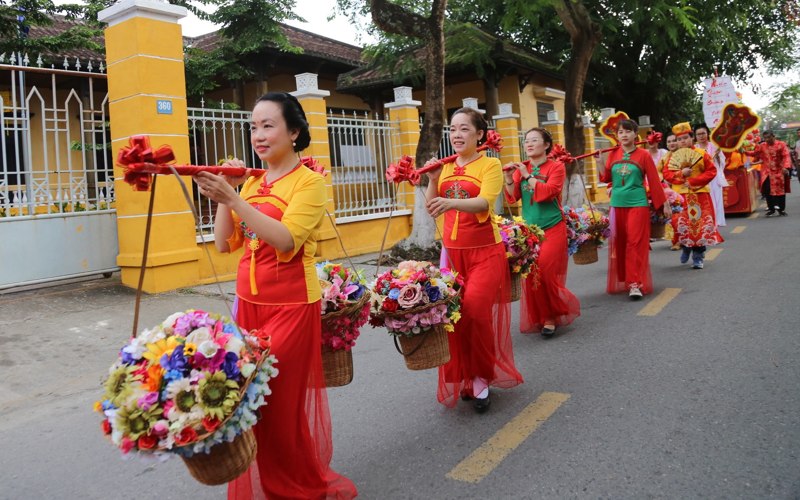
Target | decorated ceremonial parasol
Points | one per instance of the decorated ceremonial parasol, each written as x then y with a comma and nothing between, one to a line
736,121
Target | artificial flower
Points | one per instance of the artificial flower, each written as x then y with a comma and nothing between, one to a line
165,393
431,292
217,394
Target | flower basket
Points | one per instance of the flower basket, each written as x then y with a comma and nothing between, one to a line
225,462
190,386
337,365
516,286
587,229
425,350
418,303
522,243
586,254
657,230
345,308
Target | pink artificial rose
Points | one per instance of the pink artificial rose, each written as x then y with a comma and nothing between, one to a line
410,295
127,445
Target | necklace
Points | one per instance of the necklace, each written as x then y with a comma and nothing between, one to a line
624,170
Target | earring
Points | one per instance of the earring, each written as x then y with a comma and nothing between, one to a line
294,144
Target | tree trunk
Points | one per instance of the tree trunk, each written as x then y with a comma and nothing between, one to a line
492,96
392,18
585,35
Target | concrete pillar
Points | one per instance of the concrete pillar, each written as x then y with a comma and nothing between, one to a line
147,96
405,112
312,98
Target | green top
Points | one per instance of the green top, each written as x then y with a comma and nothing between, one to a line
545,214
627,181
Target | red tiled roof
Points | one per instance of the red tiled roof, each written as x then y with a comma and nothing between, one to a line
312,44
60,25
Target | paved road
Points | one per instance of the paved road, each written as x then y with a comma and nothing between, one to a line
700,400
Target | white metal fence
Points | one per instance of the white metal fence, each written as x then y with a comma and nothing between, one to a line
57,215
446,149
215,135
361,150
55,151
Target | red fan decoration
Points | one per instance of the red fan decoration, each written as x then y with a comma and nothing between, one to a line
140,162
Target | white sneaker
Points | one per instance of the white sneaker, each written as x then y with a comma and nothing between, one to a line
635,293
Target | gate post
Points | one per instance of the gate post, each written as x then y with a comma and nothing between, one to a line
147,96
404,111
507,125
312,98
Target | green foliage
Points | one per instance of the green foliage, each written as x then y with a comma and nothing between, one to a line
250,25
17,17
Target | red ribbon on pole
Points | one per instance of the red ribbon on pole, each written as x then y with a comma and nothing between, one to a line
141,162
560,154
404,170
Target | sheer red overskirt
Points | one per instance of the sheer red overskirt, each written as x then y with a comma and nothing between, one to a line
629,250
294,431
547,300
480,346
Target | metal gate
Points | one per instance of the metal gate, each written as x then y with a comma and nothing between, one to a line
57,215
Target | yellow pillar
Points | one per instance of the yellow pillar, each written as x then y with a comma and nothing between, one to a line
555,127
405,112
507,125
147,96
590,167
312,98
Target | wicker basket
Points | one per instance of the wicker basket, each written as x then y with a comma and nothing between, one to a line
516,287
586,254
337,366
225,462
425,350
657,230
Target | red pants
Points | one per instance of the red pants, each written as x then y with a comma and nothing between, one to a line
629,250
480,346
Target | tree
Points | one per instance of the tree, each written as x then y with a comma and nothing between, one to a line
416,22
658,76
17,17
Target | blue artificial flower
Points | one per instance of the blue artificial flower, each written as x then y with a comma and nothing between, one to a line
176,361
107,405
433,292
358,293
229,365
126,357
394,293
171,375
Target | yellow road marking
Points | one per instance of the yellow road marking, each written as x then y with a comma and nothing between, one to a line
754,215
659,302
483,461
738,229
713,254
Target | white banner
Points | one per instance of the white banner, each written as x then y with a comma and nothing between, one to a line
718,92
